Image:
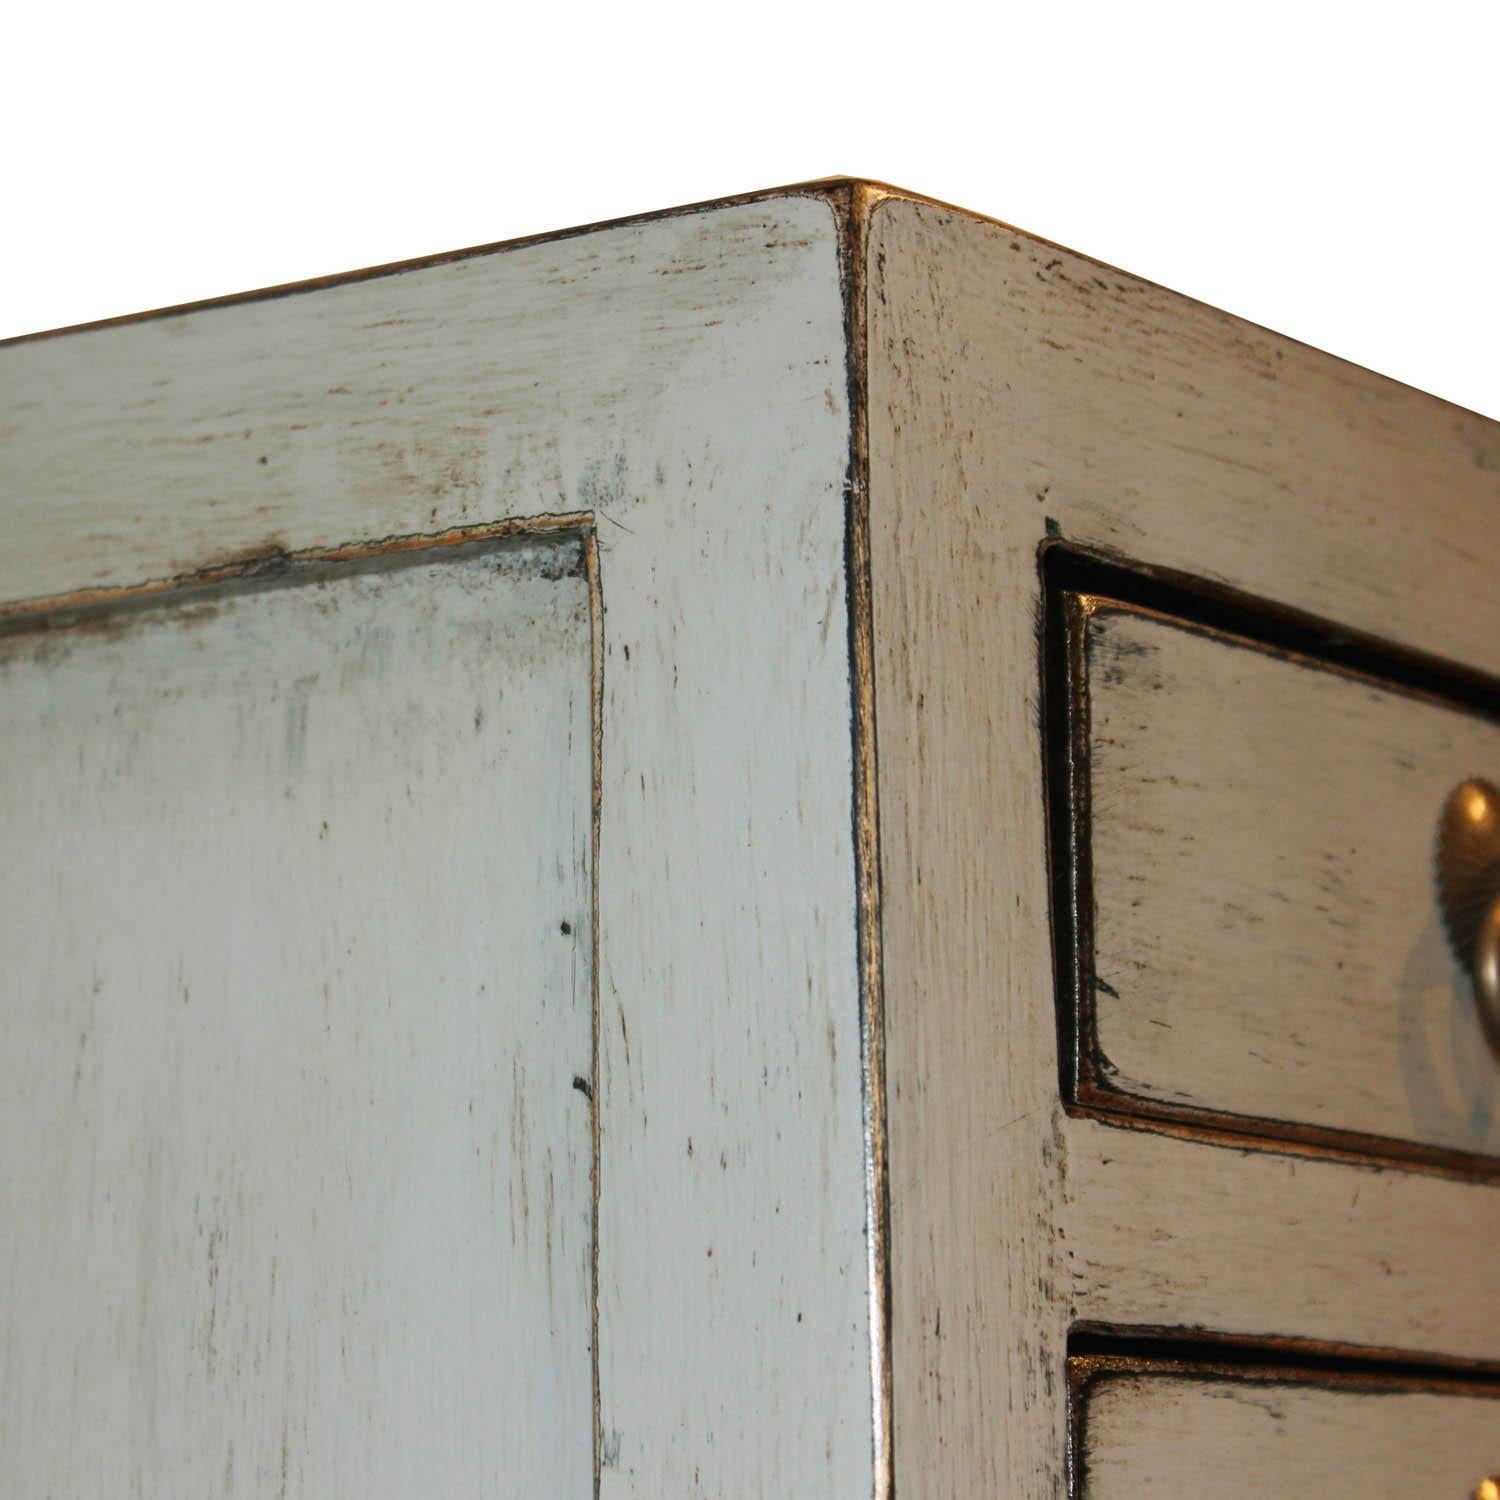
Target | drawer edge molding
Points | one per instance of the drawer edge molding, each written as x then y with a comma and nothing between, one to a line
1079,585
1152,1376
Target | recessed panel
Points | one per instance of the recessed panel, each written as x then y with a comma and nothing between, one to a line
295,1136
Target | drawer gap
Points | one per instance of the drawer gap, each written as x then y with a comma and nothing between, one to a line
1118,1346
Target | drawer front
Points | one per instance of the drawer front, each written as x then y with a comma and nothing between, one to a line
1182,1433
1261,942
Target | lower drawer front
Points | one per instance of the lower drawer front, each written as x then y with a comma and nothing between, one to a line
1173,1432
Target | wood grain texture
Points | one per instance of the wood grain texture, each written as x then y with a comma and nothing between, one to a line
1179,1436
297,981
498,385
978,1270
1267,938
734,1317
1020,392
682,384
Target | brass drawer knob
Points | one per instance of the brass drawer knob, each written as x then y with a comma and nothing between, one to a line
1487,1489
1468,861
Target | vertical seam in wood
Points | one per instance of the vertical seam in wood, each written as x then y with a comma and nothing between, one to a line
596,711
853,208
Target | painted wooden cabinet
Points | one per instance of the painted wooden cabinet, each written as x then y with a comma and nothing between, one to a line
781,849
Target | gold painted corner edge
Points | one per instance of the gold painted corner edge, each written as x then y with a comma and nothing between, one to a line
596,777
853,207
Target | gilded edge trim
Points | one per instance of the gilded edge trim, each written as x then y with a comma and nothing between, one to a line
853,204
596,778
839,191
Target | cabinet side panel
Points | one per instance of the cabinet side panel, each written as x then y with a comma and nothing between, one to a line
681,385
1020,393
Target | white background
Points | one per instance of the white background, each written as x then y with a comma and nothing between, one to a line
1326,169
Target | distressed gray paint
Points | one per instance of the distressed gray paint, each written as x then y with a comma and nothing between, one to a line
681,384
296,970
